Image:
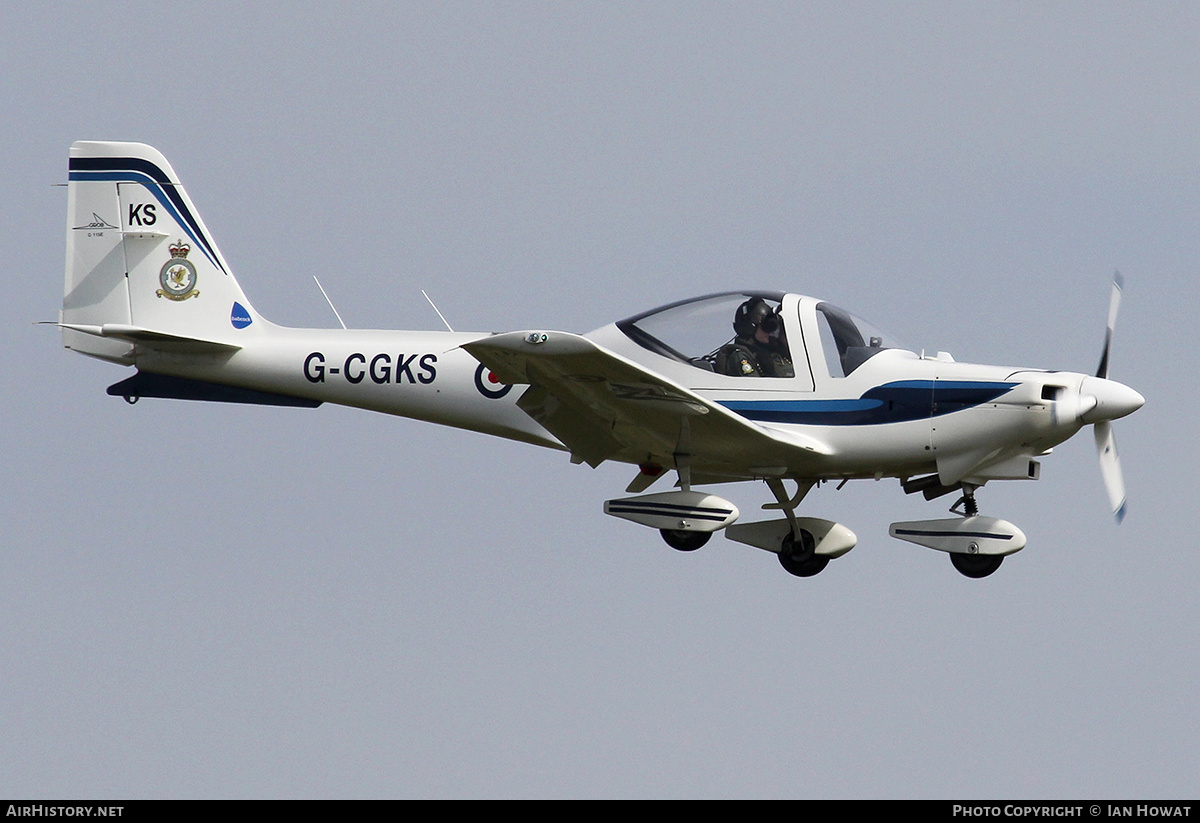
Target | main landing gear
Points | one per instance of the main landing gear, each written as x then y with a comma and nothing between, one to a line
798,549
687,519
804,545
684,541
798,555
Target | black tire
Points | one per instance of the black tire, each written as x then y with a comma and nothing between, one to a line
799,549
803,568
799,557
976,565
684,541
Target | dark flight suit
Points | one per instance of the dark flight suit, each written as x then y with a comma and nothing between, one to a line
739,360
743,358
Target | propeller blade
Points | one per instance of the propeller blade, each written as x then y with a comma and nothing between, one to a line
1110,468
1114,303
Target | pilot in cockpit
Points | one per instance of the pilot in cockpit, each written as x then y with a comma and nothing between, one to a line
760,348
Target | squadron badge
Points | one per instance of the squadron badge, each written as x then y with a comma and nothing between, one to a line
178,275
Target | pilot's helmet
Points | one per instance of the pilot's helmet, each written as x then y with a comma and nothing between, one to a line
753,313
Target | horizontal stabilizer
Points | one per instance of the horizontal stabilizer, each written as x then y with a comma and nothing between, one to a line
158,339
146,384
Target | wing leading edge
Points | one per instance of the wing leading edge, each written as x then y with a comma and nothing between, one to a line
603,406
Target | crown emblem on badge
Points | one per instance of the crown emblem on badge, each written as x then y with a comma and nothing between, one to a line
178,275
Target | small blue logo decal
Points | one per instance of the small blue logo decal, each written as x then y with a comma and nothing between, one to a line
239,317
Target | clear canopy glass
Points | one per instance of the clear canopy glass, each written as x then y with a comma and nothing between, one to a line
849,341
701,331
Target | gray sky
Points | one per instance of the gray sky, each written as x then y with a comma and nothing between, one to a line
215,601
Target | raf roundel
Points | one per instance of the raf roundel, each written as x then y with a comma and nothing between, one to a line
489,385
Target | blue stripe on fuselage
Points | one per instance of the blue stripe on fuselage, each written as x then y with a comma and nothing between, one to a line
897,402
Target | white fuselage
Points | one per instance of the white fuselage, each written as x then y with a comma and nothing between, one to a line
422,375
897,414
927,418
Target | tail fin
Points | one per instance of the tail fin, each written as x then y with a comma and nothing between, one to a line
141,266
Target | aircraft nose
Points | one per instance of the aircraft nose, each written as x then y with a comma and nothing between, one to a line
1113,399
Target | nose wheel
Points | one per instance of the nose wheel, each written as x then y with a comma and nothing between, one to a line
976,565
966,505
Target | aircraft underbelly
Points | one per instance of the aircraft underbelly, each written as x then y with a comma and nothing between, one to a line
889,450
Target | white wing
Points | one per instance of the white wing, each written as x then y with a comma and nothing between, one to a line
603,406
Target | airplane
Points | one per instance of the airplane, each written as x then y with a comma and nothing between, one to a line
776,387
